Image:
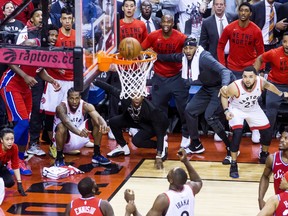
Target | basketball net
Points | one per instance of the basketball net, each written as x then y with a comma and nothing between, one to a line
132,73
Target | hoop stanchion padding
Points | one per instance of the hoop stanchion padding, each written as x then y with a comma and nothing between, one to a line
132,73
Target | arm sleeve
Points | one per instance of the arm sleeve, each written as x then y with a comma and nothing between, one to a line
175,57
221,46
108,88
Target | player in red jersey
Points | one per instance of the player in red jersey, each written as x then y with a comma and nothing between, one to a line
16,92
129,26
276,164
167,80
277,204
278,58
245,39
88,204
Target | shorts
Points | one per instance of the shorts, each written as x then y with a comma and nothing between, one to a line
51,99
256,119
74,141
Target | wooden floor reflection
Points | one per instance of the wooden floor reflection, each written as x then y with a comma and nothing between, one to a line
220,195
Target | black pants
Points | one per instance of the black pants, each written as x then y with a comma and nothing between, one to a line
205,101
36,120
164,88
7,177
146,131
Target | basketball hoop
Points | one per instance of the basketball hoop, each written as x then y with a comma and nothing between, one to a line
132,73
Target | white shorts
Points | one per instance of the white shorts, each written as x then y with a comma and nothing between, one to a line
75,142
51,99
256,119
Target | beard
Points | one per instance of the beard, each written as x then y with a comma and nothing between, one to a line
249,87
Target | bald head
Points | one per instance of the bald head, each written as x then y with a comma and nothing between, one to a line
177,177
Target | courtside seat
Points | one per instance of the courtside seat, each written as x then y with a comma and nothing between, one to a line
282,117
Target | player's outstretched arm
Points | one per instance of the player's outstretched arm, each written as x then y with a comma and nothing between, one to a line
195,181
264,181
271,87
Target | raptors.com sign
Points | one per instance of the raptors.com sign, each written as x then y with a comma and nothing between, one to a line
40,58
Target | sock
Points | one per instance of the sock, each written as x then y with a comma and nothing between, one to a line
196,142
96,150
59,154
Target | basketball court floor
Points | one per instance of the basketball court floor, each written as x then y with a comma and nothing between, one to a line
220,194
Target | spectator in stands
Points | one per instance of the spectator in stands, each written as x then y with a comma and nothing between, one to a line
15,87
32,28
152,23
167,80
278,58
129,26
212,28
23,16
9,154
190,18
232,6
13,27
53,18
282,21
140,113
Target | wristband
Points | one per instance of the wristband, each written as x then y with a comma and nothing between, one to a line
282,95
226,110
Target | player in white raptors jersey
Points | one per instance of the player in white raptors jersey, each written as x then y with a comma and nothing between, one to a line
243,105
179,199
71,131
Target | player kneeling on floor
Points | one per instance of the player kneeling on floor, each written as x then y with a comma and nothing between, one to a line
71,131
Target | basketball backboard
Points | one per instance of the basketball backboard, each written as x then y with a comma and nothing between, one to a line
98,26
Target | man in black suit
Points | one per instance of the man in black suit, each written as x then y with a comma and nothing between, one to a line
211,27
282,20
260,16
152,23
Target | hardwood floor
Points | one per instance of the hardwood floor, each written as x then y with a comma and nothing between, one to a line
49,197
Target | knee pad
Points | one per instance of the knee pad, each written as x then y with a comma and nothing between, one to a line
236,139
265,136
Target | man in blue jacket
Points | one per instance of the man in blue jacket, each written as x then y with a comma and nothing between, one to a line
199,67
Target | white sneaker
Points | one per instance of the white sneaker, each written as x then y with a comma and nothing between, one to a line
133,131
111,135
166,137
119,150
2,190
165,151
36,150
255,136
89,144
72,152
185,142
217,138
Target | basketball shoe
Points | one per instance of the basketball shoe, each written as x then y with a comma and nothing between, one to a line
234,170
185,142
164,154
36,150
119,150
99,159
24,170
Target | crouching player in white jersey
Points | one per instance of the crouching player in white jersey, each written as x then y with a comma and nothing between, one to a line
179,199
71,131
243,105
